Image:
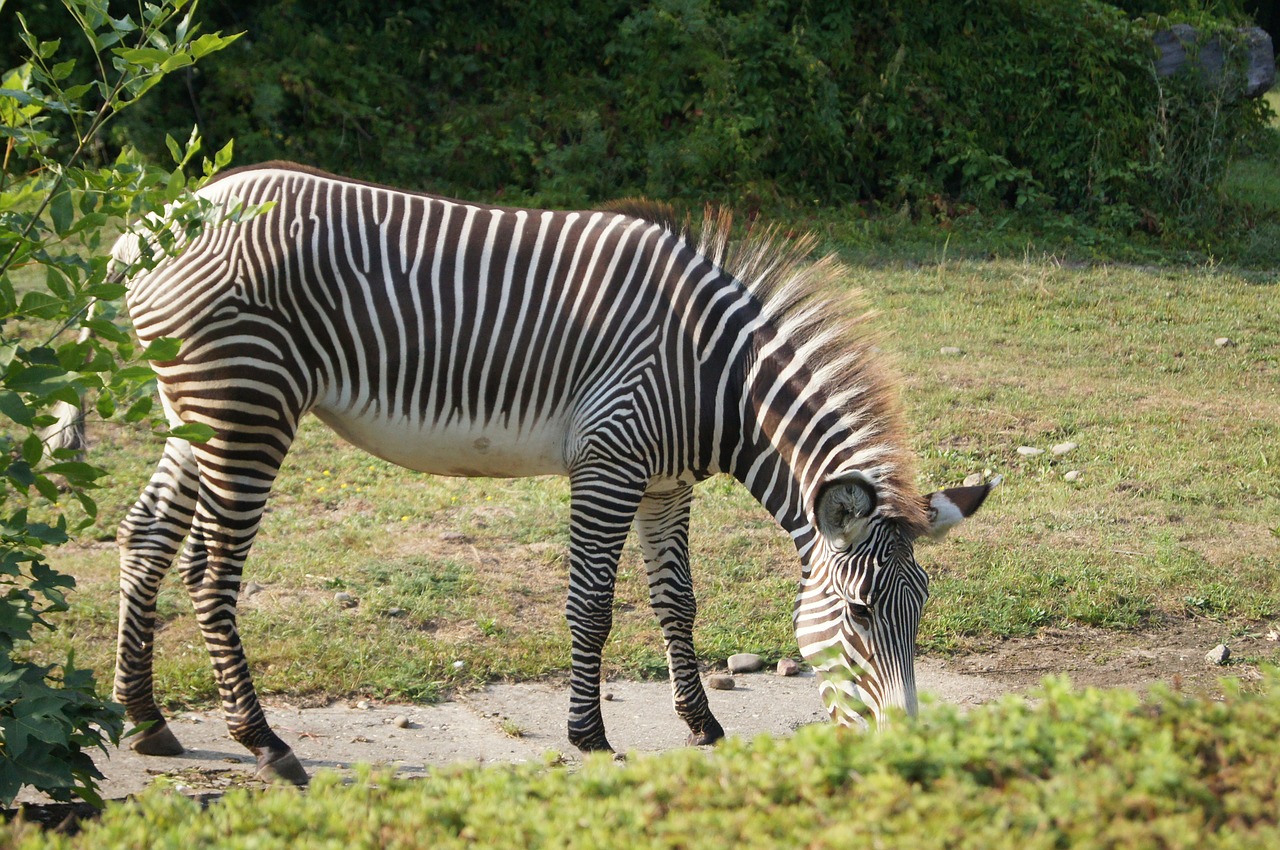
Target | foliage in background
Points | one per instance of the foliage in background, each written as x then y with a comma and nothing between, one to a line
944,107
54,213
1075,769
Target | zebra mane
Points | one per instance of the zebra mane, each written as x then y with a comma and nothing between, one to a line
813,304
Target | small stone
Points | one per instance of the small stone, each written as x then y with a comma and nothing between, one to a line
396,612
250,589
1063,448
458,665
1224,342
950,351
745,662
608,696
720,683
364,705
453,537
1030,451
973,480
345,600
401,722
788,667
1072,476
1219,655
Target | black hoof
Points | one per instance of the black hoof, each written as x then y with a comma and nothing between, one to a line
157,740
594,744
280,767
710,734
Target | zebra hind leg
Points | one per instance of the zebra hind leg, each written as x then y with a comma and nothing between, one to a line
237,470
662,526
149,538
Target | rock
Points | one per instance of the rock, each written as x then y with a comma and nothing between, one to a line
1219,63
1072,476
788,667
345,600
1224,342
364,705
973,480
608,696
1062,448
396,612
250,589
458,665
745,662
1030,451
401,722
720,683
453,537
950,351
1219,655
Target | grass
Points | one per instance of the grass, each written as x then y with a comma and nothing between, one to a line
1176,512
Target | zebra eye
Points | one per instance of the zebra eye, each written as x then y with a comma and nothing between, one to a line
860,612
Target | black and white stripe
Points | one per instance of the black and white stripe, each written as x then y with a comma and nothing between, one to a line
463,339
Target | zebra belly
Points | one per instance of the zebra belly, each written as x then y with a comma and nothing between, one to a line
466,450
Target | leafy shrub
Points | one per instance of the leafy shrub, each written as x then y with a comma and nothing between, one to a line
1077,769
54,213
1006,103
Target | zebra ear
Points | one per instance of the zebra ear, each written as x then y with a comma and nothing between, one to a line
842,508
948,508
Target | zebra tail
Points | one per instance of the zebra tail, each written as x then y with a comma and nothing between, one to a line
68,430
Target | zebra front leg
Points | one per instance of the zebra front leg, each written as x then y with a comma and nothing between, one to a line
603,506
662,525
149,538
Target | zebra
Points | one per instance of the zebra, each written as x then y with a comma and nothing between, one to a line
615,346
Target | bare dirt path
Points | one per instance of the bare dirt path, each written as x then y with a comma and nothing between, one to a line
508,723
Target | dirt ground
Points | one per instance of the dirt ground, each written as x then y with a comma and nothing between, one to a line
526,722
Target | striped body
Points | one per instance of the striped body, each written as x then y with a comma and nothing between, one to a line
461,339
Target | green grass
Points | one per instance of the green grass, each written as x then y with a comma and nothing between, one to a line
1070,769
1176,513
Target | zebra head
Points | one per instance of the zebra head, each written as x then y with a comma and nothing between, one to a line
860,602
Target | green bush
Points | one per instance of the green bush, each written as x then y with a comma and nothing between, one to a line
1077,769
1011,103
55,212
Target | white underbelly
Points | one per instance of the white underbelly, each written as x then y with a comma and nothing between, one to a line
461,449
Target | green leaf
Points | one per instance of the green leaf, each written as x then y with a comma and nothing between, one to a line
62,211
223,157
62,70
105,405
32,449
76,471
132,374
142,56
174,150
13,407
138,410
194,432
39,304
39,380
162,349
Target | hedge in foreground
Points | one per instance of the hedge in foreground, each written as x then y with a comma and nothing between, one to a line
1080,769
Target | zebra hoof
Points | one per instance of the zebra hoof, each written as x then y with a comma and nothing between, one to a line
595,744
710,734
280,768
157,740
